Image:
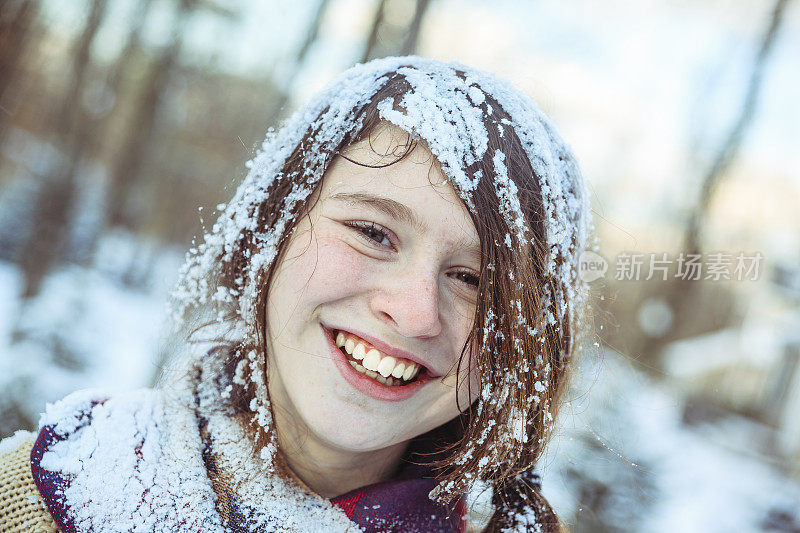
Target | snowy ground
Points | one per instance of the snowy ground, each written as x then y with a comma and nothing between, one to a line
87,329
625,461
622,461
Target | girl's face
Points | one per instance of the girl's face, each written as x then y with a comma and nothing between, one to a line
387,261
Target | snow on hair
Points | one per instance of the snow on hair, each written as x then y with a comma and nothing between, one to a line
520,183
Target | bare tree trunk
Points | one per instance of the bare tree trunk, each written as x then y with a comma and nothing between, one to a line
16,19
114,82
372,40
71,105
300,59
136,147
50,226
685,294
313,33
410,44
730,148
131,45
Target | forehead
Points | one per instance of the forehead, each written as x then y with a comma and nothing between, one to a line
375,168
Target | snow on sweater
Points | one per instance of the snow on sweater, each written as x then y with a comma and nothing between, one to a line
139,462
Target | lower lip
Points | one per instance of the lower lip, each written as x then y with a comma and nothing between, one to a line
367,385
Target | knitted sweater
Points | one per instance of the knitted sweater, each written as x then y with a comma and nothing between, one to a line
22,509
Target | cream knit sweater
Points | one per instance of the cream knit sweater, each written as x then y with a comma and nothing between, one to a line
21,507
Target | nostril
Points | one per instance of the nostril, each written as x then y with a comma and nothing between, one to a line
387,318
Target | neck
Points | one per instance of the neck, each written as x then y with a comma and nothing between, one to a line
330,471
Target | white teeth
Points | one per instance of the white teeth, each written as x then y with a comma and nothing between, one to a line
377,377
399,368
410,371
372,360
386,366
383,368
359,351
349,344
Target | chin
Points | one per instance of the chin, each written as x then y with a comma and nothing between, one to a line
345,427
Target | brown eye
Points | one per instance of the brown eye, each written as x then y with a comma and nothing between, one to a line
468,278
372,232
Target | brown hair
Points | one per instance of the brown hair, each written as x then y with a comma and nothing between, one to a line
530,354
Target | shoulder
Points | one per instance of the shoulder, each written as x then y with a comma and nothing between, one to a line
21,505
110,418
105,462
79,438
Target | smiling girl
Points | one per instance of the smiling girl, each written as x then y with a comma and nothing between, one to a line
381,321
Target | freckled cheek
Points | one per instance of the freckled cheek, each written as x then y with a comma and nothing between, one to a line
316,272
337,270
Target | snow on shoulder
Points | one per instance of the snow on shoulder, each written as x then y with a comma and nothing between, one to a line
13,442
134,462
129,463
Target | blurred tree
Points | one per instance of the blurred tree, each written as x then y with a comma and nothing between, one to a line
45,242
394,37
114,88
134,148
372,39
16,21
733,141
132,44
138,143
410,44
299,60
313,33
685,296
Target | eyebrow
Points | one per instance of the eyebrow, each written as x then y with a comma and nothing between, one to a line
394,209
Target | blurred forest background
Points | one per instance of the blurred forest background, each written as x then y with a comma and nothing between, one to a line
122,122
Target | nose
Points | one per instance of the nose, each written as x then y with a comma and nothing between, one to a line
409,302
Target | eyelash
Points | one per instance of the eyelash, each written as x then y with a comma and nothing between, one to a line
364,228
473,277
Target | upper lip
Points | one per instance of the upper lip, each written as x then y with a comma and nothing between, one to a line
385,348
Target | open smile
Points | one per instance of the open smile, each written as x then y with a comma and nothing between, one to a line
373,372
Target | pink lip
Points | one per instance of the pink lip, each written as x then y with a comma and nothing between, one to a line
367,385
